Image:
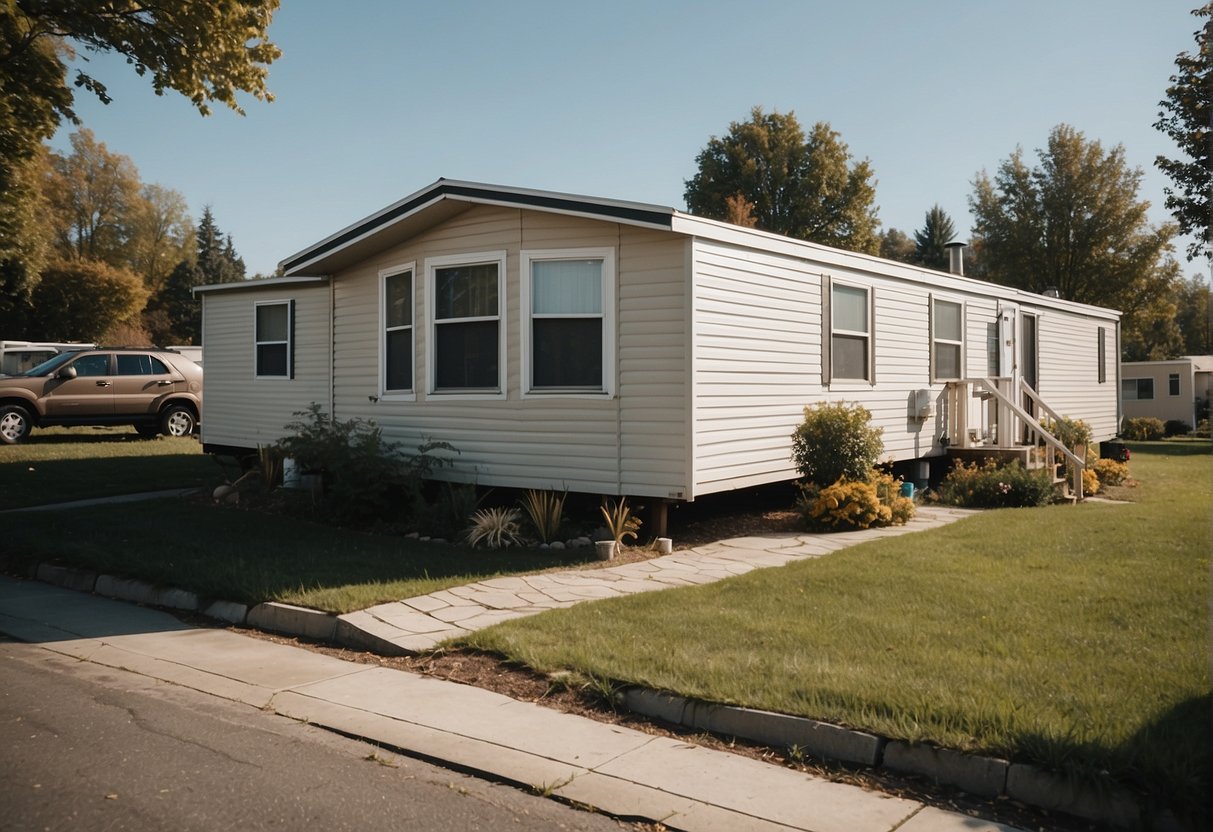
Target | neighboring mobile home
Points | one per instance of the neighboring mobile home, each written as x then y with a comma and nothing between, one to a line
1167,390
618,348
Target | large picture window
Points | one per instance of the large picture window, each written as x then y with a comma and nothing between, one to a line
947,340
397,347
273,328
567,330
850,333
466,331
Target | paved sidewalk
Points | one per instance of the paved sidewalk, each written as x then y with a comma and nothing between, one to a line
617,770
420,623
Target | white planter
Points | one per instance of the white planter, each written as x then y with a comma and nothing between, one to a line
606,549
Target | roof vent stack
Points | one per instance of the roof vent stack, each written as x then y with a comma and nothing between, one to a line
956,257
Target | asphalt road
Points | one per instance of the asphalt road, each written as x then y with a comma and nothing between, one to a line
89,747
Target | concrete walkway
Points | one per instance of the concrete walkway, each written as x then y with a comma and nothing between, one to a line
420,623
616,770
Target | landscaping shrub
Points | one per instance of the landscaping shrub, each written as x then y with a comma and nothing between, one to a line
836,441
1202,428
447,517
365,479
496,528
1071,432
996,486
1090,482
1176,427
1110,472
544,513
1143,429
854,504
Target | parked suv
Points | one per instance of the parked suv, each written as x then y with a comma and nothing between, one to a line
156,390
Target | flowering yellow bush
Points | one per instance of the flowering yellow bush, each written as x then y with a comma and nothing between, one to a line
1090,481
855,504
1110,472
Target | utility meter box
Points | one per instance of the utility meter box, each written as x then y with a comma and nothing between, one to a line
924,404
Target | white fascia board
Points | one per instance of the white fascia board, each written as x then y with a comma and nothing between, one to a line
727,233
267,283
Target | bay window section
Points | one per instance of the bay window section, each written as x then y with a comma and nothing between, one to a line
466,331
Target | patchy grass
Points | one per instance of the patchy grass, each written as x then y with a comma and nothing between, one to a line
62,464
1074,637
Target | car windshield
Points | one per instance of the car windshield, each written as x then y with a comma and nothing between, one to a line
50,365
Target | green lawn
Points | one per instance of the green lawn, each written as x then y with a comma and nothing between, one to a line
246,556
61,464
1075,637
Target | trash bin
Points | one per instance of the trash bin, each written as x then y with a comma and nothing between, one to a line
907,490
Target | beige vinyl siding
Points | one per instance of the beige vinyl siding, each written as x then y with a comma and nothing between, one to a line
239,410
1069,369
756,362
629,444
1163,406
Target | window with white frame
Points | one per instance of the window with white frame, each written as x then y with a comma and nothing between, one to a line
273,329
947,339
1173,384
397,346
850,333
567,327
466,336
1136,389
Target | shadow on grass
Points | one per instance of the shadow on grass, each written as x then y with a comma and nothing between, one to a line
47,481
251,557
1173,447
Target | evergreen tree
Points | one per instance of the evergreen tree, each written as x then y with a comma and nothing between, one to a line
931,239
174,314
793,184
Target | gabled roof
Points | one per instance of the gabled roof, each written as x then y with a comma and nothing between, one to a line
447,198
441,201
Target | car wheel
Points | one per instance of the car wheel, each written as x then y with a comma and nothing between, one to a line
177,420
14,424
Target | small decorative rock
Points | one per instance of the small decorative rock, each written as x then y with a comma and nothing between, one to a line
580,542
412,536
424,538
544,546
557,545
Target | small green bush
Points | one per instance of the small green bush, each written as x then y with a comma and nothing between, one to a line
366,480
447,517
1143,429
1176,427
1110,472
996,486
836,441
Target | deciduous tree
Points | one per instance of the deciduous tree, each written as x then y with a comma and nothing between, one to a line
93,197
79,300
798,185
1187,117
1074,223
895,245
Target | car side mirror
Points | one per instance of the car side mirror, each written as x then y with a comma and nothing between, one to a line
66,373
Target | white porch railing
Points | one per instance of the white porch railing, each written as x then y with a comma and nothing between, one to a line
1005,423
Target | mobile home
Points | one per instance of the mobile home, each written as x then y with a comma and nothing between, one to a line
1171,390
619,348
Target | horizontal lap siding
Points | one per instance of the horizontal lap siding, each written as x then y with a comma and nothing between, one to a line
610,446
1069,369
757,362
239,410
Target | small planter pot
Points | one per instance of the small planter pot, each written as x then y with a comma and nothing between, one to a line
605,549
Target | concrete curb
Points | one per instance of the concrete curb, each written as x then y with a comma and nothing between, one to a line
983,776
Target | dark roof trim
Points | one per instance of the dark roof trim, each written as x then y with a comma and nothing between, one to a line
626,212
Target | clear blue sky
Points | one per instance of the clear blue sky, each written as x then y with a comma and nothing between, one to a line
378,98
